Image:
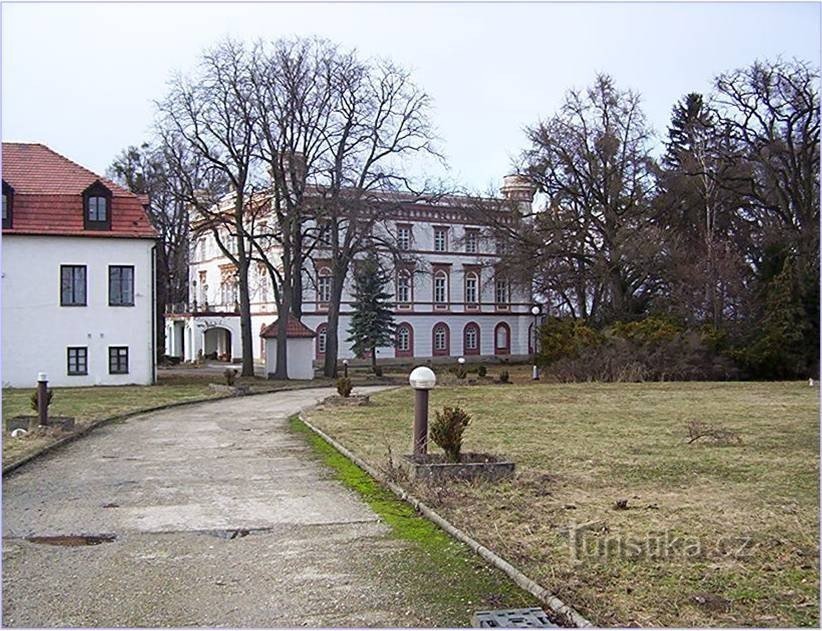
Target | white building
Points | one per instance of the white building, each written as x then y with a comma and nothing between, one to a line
78,275
450,301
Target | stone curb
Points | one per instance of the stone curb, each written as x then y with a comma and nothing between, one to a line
554,604
12,466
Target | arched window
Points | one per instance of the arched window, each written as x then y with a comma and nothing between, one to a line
324,285
471,339
471,289
440,288
502,339
440,339
404,346
404,287
322,338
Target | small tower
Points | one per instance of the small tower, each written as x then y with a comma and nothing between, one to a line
518,188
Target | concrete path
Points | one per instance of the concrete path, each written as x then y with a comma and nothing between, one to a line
220,517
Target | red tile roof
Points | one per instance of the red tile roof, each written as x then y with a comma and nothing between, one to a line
295,328
48,197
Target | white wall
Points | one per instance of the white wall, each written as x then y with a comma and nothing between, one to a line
299,359
36,330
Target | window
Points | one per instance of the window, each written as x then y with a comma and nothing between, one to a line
121,285
502,295
502,339
228,292
8,204
77,360
440,239
324,286
203,288
471,240
404,237
322,340
403,339
404,287
440,287
501,246
470,339
440,339
471,288
263,282
118,360
73,285
97,207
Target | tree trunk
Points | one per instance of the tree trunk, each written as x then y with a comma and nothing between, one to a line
374,360
332,335
245,320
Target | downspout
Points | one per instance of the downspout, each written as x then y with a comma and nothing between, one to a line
154,314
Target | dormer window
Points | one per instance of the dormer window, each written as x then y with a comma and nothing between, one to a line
8,204
97,207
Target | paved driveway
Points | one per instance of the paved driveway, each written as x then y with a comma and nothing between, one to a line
220,517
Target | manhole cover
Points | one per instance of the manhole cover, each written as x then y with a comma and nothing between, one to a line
73,540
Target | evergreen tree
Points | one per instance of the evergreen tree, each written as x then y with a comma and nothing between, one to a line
372,324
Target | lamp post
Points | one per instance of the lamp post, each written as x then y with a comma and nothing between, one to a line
345,368
422,379
535,369
42,398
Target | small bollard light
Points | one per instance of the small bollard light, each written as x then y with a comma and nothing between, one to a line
42,398
345,368
422,379
535,369
461,361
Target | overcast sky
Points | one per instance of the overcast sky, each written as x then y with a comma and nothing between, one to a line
81,78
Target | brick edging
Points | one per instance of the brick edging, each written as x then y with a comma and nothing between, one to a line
554,604
12,466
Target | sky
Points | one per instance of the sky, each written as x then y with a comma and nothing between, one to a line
83,77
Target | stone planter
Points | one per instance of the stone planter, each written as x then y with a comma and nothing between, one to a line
29,422
472,466
235,391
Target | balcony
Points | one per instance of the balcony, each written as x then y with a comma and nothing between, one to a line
194,308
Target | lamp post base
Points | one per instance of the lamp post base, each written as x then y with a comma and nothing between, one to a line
535,373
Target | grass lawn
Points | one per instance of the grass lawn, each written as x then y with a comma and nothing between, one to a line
713,534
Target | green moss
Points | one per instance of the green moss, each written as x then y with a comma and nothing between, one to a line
441,575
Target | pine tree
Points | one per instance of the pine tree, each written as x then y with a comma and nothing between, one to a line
372,324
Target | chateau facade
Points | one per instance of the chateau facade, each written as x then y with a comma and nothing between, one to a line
449,299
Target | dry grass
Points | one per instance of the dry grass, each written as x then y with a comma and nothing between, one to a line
718,534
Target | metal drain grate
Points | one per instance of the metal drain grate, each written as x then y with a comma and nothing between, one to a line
512,619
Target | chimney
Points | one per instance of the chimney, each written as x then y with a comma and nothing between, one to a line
517,188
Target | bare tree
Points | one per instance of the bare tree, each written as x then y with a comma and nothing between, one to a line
380,120
593,236
293,87
208,120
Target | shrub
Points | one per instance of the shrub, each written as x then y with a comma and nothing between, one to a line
447,429
482,371
504,377
344,387
34,403
563,338
461,372
230,375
